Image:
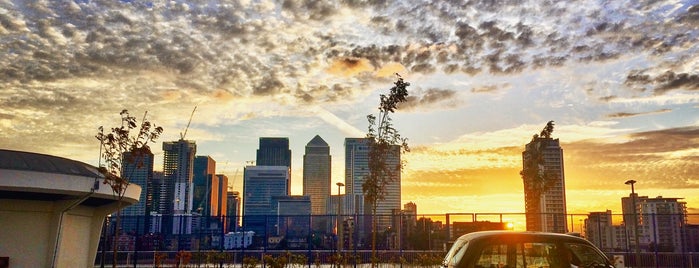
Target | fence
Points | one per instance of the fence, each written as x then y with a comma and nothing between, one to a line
657,240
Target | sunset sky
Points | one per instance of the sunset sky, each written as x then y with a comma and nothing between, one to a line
619,78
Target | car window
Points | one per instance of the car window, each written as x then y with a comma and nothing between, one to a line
585,256
519,255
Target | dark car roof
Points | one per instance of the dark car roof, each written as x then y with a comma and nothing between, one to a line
514,234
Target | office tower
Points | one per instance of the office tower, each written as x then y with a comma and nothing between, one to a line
220,196
356,171
233,211
292,217
632,219
599,230
545,211
204,170
274,152
138,169
316,174
178,168
260,184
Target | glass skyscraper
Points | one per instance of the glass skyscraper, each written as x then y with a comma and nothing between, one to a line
260,184
138,169
316,174
274,152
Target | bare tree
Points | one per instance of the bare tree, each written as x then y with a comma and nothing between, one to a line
383,140
113,146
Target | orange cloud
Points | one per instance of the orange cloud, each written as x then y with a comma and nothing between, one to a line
390,69
349,66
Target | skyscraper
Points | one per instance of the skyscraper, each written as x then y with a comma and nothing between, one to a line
274,152
316,174
545,211
356,171
138,169
260,184
204,170
178,168
233,211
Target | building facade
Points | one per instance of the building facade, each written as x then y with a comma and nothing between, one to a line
356,171
316,174
138,169
233,212
260,184
545,201
274,152
204,170
178,169
599,230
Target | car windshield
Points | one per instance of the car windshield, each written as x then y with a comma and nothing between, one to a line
585,256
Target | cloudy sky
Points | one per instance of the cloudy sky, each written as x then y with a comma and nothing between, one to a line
619,78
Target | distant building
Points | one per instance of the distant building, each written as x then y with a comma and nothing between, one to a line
204,170
260,184
293,219
356,171
178,168
545,211
233,212
138,169
274,152
316,174
663,220
599,230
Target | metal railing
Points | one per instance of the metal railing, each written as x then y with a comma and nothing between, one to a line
401,239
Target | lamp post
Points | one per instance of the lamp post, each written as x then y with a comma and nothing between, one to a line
339,213
635,217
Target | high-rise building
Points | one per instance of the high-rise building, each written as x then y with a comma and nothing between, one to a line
178,168
662,223
599,230
204,170
545,211
138,169
233,211
292,215
356,171
316,174
220,196
274,152
260,184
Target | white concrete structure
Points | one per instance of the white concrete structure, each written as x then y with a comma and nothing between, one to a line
234,240
52,210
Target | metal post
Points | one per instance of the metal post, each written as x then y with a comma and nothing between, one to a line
339,217
635,220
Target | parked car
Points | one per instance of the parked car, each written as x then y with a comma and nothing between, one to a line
508,249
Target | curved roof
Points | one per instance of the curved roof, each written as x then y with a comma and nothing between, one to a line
27,161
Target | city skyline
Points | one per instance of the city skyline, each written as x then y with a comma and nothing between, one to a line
619,79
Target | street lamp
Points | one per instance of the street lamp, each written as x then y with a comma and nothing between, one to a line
339,221
635,217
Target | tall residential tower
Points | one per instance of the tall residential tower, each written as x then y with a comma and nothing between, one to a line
545,210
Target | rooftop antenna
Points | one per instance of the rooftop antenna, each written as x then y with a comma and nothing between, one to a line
190,121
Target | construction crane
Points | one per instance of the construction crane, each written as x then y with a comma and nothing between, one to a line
182,135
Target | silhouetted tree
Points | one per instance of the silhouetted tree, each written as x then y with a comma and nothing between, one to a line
113,146
383,137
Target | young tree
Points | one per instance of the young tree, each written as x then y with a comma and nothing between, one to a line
383,140
120,147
